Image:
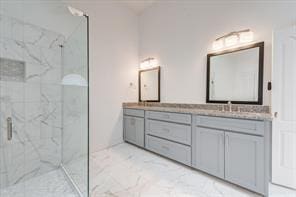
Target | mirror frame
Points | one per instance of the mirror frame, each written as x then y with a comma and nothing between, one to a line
260,74
158,86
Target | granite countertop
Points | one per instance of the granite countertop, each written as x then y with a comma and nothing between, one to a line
252,112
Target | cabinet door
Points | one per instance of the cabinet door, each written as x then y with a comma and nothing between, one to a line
208,151
134,130
244,160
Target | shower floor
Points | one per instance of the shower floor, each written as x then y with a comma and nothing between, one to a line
52,184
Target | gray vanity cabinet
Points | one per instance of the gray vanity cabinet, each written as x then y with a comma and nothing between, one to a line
244,160
236,150
233,149
169,134
133,127
208,150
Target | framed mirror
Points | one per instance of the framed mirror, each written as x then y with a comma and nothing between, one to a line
236,75
149,85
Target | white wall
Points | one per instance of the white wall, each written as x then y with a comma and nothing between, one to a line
180,35
113,65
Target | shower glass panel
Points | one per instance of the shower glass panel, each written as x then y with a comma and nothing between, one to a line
43,100
75,109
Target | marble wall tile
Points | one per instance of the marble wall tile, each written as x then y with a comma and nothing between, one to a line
14,158
39,36
32,164
51,121
72,142
34,73
51,56
11,28
12,91
3,169
52,75
37,73
32,92
42,156
50,151
31,53
33,113
19,50
32,97
16,29
11,49
75,59
74,123
51,92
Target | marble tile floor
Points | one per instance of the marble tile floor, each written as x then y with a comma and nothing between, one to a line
52,184
127,171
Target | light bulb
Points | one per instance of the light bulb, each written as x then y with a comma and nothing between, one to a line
246,37
218,44
153,63
231,40
144,65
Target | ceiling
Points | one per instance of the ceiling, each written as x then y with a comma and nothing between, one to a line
138,6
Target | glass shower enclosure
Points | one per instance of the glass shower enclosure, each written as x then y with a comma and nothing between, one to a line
44,132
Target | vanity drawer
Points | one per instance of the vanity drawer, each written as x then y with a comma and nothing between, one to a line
134,112
171,131
245,126
175,151
171,117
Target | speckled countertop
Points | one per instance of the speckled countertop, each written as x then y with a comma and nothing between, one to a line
252,112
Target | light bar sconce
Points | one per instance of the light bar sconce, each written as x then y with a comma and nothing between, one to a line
148,63
233,38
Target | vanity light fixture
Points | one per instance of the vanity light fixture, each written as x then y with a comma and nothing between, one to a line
148,63
218,44
233,38
245,37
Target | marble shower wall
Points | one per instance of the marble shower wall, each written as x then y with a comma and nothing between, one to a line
34,103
